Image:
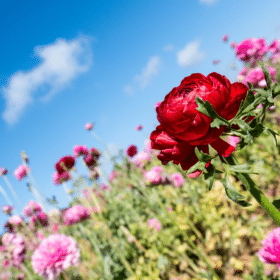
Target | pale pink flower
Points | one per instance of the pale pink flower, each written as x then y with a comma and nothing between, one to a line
21,172
40,235
153,177
225,38
7,209
55,254
32,208
60,178
242,74
178,179
141,158
16,220
139,127
169,209
233,140
275,58
158,169
271,247
154,223
89,126
76,214
3,171
80,150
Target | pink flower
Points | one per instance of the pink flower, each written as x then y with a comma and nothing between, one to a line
251,50
80,150
225,38
55,254
169,209
139,127
60,178
40,235
32,208
40,218
158,169
131,151
233,140
256,76
76,214
216,61
64,164
55,228
233,45
271,247
154,223
275,58
141,158
157,104
113,175
242,74
178,179
153,177
89,126
274,46
7,209
3,171
16,220
21,172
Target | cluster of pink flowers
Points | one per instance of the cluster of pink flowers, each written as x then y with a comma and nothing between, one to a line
63,167
55,254
154,223
91,158
40,218
7,209
131,151
155,176
14,222
76,214
13,249
177,180
21,172
32,208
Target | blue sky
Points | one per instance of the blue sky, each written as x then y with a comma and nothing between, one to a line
66,63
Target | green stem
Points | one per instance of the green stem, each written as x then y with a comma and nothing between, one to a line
249,184
12,190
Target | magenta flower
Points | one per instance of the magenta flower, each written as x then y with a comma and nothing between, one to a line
55,254
225,38
32,208
40,218
7,209
274,46
64,164
60,178
233,45
3,171
89,126
153,177
154,223
80,151
141,158
131,151
21,172
178,179
271,248
76,214
139,127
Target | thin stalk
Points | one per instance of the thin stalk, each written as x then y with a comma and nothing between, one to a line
66,191
5,195
250,186
12,190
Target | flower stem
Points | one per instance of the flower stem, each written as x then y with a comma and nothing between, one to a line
12,190
250,186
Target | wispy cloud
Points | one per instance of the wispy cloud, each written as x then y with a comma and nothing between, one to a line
144,79
61,62
190,55
208,2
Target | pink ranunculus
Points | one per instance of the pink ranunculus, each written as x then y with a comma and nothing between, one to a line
153,177
60,178
80,150
21,172
32,208
274,46
158,169
271,247
3,171
55,254
154,223
142,158
139,127
76,214
251,50
7,209
131,151
89,126
225,38
178,179
256,77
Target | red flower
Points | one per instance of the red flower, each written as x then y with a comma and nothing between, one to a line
182,127
131,151
67,162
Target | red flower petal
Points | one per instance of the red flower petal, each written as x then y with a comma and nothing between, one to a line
222,147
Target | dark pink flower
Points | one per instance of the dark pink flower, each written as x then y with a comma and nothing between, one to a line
225,38
76,214
131,151
139,127
274,46
80,150
66,163
32,208
21,172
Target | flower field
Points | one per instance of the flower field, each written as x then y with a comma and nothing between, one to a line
155,217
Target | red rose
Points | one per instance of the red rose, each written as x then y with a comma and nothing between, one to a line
131,151
182,127
65,162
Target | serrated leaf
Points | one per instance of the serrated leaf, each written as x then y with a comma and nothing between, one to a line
242,168
202,156
248,101
273,134
198,166
266,75
258,130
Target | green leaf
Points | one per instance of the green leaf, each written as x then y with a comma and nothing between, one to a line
198,166
210,175
266,75
273,134
242,168
275,90
202,156
207,109
250,85
276,203
248,101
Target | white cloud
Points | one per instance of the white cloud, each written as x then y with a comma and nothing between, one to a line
62,61
190,55
208,2
149,71
168,48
